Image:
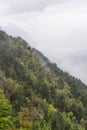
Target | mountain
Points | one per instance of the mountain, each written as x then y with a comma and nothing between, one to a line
34,93
15,30
64,75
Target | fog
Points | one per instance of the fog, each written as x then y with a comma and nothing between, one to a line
57,28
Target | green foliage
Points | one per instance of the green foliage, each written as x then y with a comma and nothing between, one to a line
5,113
43,97
41,124
10,87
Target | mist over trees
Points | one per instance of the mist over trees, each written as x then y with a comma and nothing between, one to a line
36,96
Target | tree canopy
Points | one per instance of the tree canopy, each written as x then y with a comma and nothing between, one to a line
34,93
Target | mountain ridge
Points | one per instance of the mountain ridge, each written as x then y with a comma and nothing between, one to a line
38,94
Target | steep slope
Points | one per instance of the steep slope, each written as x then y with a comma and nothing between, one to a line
76,85
42,96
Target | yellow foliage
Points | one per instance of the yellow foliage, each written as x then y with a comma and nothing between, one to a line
52,109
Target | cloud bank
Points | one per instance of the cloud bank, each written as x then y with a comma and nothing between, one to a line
58,29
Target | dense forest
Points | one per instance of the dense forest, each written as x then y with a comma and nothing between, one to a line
34,93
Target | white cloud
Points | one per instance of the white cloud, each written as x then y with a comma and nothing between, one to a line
18,6
58,27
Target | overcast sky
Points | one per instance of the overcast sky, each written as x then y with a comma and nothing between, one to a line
58,28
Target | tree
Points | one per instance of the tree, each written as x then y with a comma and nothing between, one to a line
41,124
5,113
26,118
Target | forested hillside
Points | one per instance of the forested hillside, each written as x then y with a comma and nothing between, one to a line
34,93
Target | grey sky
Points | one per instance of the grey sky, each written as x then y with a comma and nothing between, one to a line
18,6
58,28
